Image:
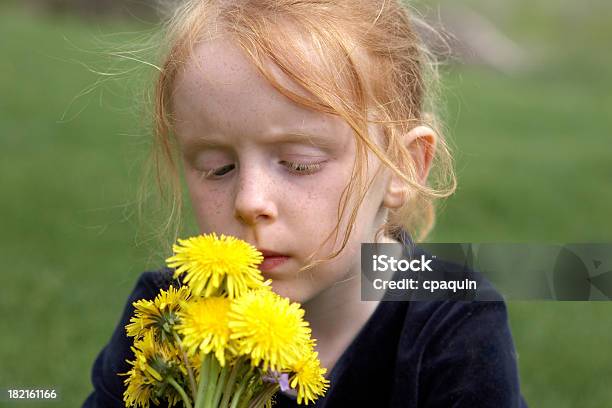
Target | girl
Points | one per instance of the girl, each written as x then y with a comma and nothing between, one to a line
302,127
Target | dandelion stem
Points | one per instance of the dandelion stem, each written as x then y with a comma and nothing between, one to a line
181,391
229,386
246,376
247,397
220,385
203,380
192,383
264,396
213,377
238,394
271,393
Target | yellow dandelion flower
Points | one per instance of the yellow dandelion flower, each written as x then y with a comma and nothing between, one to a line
152,357
139,390
159,314
204,326
147,380
269,329
309,378
214,263
195,363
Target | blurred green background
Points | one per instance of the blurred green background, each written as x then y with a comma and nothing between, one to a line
534,160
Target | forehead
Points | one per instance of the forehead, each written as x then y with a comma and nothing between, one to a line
220,89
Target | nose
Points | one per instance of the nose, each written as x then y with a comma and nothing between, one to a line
254,202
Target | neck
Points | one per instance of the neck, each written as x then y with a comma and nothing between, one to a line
337,314
338,309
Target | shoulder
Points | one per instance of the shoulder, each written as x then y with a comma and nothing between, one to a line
153,281
459,330
149,284
461,353
455,350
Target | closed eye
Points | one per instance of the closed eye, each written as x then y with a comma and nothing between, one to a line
303,168
218,172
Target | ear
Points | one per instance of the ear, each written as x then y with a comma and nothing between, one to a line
421,144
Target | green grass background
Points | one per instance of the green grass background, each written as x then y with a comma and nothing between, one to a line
534,160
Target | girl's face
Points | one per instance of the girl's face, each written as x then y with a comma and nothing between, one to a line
268,171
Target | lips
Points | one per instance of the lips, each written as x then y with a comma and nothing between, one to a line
266,253
271,260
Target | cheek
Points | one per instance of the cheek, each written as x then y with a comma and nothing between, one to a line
317,203
210,206
319,211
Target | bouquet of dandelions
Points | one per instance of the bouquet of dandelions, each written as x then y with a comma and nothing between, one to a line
224,339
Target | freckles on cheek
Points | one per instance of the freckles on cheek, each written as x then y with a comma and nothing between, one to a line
209,207
319,200
303,197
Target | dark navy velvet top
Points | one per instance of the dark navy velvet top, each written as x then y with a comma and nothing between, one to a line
442,353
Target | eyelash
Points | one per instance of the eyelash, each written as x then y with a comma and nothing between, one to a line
301,169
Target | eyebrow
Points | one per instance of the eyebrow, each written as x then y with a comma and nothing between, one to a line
287,137
306,138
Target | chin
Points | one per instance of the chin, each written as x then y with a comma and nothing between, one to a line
288,290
